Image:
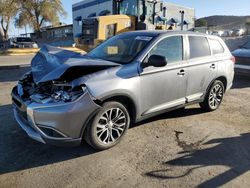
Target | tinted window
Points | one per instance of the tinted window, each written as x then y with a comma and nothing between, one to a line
216,46
171,48
199,47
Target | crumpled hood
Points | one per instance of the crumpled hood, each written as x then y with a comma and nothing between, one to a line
241,53
52,63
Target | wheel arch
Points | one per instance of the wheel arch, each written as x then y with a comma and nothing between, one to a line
126,100
220,78
223,79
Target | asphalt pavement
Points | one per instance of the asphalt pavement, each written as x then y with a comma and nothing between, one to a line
14,62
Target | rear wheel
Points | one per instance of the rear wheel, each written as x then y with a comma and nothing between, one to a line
108,126
214,97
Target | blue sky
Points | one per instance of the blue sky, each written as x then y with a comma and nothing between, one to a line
202,7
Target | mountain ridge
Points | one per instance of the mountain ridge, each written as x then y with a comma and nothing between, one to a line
226,21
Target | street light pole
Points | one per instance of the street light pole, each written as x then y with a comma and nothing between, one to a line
182,18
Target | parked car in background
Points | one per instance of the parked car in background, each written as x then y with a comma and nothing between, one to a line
238,32
218,33
227,33
242,56
67,97
23,42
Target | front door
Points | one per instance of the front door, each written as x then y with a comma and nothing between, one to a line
164,87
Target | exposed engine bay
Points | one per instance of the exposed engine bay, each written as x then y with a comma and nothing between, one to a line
52,73
47,92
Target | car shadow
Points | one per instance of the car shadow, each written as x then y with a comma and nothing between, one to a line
19,152
232,152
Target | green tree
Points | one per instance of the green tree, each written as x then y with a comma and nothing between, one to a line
36,13
8,10
201,23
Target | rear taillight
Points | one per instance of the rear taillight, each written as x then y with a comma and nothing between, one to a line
233,59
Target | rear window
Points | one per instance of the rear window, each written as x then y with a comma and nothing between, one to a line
216,46
199,47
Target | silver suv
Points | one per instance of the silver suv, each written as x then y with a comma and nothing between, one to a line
68,97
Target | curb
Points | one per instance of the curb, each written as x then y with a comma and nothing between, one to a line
10,67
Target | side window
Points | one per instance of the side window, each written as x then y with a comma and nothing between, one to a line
216,46
171,48
199,47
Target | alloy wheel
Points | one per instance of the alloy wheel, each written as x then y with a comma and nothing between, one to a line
215,96
111,125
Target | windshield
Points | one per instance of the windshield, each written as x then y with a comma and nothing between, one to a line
120,49
246,45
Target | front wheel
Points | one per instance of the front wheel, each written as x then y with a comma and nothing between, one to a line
108,126
214,97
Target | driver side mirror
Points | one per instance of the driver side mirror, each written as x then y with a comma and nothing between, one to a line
155,61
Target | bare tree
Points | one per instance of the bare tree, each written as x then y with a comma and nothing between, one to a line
8,10
36,13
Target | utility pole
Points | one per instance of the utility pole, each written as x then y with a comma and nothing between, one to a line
182,18
154,4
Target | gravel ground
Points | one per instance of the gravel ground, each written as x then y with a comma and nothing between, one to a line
184,148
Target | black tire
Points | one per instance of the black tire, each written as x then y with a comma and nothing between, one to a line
108,126
213,97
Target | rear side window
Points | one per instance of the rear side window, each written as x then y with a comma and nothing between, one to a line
199,47
216,46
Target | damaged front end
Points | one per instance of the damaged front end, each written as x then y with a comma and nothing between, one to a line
48,92
47,105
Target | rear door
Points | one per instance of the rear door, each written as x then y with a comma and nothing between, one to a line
202,67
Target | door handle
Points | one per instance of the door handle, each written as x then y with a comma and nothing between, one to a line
212,66
181,73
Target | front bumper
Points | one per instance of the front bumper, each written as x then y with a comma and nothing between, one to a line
55,124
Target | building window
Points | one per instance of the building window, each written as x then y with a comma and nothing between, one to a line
128,7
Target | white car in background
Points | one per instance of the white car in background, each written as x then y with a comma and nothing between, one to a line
23,42
238,32
218,33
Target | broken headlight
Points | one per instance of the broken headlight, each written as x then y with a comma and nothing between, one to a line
68,96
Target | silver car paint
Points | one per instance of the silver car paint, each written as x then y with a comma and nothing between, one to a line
151,90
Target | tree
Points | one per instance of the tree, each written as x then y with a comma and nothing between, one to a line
8,10
36,13
201,23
